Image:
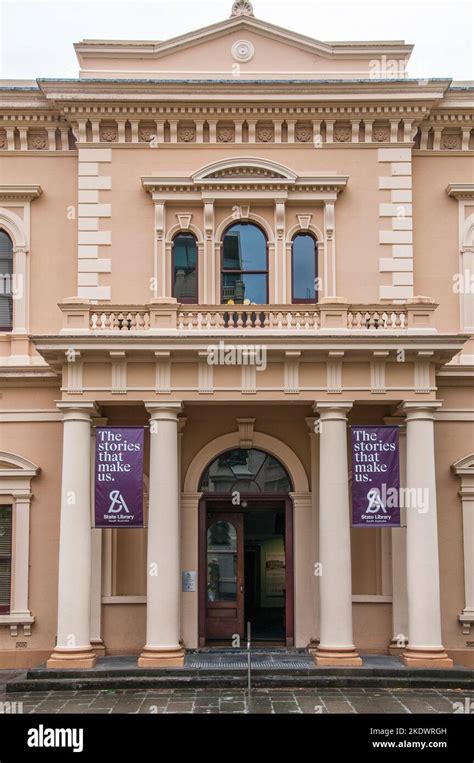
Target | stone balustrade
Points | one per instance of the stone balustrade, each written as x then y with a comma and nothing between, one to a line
329,315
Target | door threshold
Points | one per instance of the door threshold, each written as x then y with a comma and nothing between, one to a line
243,643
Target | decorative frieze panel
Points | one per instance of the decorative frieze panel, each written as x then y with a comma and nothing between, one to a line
108,132
226,133
344,125
35,132
331,125
303,132
446,132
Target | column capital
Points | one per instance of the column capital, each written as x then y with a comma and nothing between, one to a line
22,497
301,500
164,411
74,411
416,410
333,411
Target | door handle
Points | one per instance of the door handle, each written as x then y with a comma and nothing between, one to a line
241,588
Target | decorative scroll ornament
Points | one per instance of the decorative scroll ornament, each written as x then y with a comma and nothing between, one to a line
242,8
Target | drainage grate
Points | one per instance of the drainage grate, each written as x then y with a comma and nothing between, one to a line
241,665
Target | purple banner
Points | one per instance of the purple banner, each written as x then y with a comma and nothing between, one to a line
375,477
119,477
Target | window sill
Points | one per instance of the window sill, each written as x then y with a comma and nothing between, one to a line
14,620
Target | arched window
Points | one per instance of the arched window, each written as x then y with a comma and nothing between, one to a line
248,471
184,265
304,268
244,266
6,279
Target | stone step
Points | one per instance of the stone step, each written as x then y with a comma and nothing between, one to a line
45,680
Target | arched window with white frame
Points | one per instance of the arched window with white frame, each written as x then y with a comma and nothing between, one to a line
244,265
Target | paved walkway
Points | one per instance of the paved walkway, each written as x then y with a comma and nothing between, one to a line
396,701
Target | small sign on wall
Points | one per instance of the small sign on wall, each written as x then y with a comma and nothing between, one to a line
188,581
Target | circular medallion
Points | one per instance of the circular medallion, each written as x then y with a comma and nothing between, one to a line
243,51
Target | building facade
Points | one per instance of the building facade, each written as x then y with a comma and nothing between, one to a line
244,240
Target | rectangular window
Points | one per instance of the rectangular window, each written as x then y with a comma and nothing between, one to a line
5,557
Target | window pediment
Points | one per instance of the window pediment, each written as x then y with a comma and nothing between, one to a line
243,168
465,466
245,172
12,465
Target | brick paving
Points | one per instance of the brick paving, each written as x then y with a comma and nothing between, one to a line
220,701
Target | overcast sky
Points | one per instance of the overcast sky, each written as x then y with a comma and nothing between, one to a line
36,37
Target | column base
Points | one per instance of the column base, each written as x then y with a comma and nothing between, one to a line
98,647
71,659
337,657
156,657
397,646
431,658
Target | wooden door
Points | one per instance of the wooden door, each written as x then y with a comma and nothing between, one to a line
224,592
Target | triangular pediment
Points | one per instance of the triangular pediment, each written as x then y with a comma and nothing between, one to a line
465,466
240,47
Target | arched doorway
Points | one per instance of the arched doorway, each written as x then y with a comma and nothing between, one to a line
246,549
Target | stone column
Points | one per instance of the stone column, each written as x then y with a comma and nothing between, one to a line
313,426
163,647
336,644
73,647
97,534
424,611
399,554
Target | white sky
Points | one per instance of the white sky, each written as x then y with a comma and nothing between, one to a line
36,37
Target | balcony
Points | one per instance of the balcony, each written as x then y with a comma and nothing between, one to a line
165,316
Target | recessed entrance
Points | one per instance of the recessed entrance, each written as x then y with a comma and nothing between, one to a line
246,550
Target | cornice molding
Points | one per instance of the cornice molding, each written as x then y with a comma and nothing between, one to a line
461,190
324,185
400,90
20,192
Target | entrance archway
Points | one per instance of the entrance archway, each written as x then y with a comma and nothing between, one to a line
246,548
